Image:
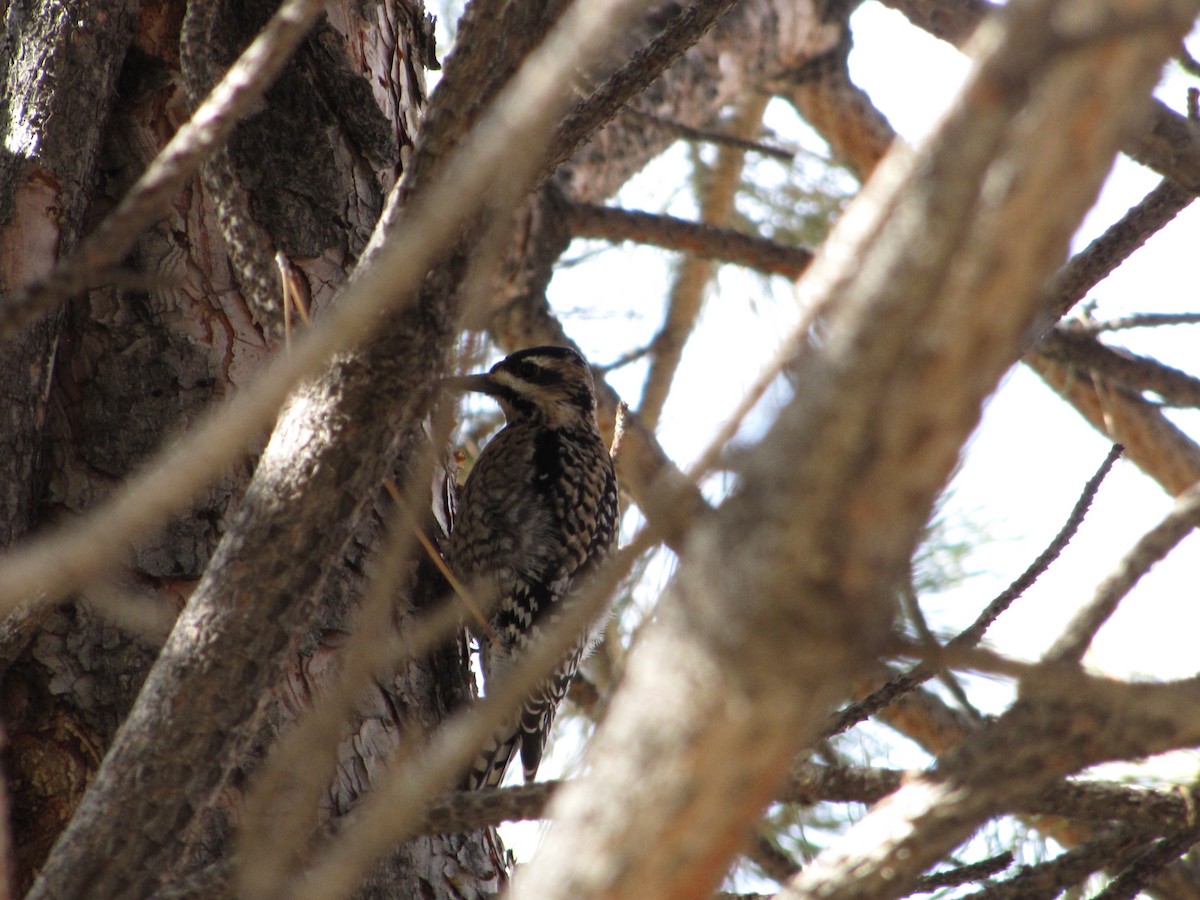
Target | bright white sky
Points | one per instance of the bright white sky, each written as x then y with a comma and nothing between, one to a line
1031,456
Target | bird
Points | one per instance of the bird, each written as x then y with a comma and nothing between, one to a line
537,514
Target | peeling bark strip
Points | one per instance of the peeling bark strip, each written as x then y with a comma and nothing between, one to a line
786,591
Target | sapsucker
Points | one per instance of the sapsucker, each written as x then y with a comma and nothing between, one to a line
538,513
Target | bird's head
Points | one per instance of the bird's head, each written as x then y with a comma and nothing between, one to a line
550,386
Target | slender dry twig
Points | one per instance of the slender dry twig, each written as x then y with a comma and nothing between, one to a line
621,361
1150,548
912,609
1136,320
707,136
1118,242
105,248
974,632
905,682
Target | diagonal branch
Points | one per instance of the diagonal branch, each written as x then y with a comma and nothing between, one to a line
1152,547
1151,440
1134,373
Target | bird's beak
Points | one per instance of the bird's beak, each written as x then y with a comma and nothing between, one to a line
480,384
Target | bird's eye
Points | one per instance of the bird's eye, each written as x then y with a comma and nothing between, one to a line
526,369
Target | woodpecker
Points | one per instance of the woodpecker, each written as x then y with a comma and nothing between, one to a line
538,512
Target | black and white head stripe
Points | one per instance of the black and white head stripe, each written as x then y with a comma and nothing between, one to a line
544,377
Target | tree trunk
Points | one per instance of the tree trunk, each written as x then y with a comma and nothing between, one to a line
137,361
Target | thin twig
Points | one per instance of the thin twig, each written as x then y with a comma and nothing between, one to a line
713,137
907,681
623,360
1150,548
1137,320
431,552
1118,242
974,632
912,608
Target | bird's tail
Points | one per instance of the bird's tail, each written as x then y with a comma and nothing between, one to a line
492,762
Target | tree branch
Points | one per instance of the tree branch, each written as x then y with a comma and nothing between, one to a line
1151,440
1071,345
905,682
704,240
1000,769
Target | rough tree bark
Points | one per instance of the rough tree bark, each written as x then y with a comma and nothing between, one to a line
270,566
